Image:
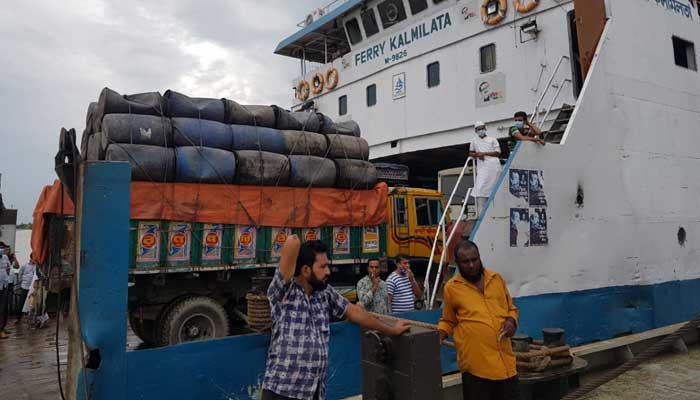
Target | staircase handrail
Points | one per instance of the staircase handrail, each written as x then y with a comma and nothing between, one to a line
441,224
546,90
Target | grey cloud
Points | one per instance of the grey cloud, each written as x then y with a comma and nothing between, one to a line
58,55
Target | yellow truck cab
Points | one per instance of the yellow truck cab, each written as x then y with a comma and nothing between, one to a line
413,216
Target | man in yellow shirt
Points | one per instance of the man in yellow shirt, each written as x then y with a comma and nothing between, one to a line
480,313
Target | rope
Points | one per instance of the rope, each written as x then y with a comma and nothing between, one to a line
645,355
417,324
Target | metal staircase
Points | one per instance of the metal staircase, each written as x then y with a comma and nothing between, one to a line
556,131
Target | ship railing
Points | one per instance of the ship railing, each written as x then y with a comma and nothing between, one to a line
550,84
442,229
321,12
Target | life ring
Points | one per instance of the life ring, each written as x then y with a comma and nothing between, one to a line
502,8
303,90
331,78
317,83
525,8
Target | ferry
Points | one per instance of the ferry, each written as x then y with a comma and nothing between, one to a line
600,237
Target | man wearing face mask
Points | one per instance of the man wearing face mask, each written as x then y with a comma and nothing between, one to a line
523,130
486,151
302,304
480,313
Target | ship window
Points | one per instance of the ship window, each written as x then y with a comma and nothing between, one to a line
400,217
391,12
369,22
684,53
371,95
428,211
417,6
437,1
433,74
342,105
353,29
488,58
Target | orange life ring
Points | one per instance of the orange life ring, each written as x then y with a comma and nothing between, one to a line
317,83
525,8
502,8
303,90
331,83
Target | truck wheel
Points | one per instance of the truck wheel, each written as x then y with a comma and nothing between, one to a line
192,319
143,328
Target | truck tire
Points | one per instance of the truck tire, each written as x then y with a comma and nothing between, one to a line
194,318
144,329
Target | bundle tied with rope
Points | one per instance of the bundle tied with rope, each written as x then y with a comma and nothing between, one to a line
174,138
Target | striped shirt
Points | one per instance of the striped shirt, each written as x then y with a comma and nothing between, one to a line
400,288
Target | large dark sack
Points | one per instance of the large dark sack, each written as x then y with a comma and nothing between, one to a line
180,105
201,132
355,174
329,127
87,132
204,165
148,163
304,143
137,129
95,149
111,102
249,115
297,121
311,171
246,137
261,168
344,146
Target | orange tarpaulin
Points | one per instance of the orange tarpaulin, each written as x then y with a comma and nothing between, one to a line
231,204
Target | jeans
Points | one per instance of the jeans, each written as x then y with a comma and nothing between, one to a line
475,388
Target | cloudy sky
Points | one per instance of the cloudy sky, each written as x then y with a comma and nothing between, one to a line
57,55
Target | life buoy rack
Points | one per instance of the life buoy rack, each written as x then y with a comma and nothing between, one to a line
303,90
317,82
494,20
332,78
525,6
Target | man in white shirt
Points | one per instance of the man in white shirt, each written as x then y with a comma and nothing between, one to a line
486,151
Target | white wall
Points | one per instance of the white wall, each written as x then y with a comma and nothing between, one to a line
632,146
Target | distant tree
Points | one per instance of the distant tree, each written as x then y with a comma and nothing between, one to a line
27,225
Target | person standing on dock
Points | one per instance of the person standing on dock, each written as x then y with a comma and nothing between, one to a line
302,304
24,280
371,290
486,150
480,313
402,287
5,266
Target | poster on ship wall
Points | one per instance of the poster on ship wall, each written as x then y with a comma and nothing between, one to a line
179,238
536,189
245,242
490,90
538,227
211,241
370,239
341,240
518,187
519,227
148,249
279,237
398,86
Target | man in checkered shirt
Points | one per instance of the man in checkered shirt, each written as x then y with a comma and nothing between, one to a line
302,305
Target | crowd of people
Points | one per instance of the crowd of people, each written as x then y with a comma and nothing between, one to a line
15,286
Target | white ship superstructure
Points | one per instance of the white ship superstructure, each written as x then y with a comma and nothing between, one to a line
598,231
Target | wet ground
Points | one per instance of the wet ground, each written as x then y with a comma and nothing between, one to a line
28,362
669,376
28,370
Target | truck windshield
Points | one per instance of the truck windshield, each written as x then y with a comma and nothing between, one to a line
428,211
